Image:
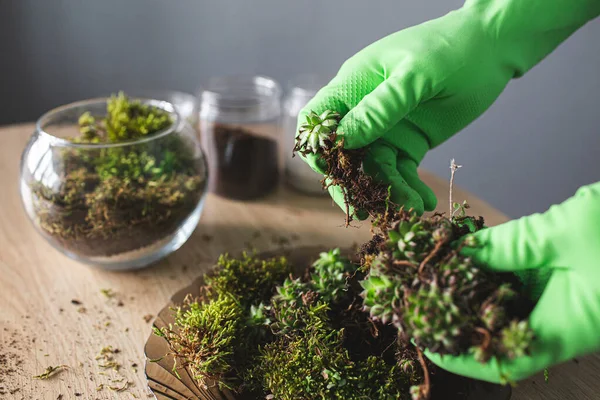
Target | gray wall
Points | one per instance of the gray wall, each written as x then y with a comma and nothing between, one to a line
534,147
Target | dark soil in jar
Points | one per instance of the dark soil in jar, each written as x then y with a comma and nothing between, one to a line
243,164
94,217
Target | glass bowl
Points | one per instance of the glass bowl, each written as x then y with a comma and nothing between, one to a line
116,205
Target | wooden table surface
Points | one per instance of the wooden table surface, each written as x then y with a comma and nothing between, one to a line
40,326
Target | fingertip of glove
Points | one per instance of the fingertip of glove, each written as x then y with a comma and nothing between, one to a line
429,199
409,201
316,162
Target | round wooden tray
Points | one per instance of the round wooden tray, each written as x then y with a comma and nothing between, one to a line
166,385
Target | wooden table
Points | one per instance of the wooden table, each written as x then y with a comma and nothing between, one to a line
40,325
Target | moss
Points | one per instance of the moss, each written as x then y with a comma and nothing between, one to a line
207,336
248,278
260,331
312,363
125,120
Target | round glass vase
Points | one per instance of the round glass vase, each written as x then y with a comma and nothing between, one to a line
116,205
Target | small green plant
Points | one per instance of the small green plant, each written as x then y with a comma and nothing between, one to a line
331,275
114,199
289,347
318,135
316,131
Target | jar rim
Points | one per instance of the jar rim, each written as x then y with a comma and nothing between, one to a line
306,85
216,91
58,141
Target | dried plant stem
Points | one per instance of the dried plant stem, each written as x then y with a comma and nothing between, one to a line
51,371
436,249
487,337
426,386
453,168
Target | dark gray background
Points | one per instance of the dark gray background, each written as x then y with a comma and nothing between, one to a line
533,148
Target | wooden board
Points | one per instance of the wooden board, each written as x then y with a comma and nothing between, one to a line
39,325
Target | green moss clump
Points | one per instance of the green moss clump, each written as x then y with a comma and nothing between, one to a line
289,337
218,336
111,200
314,364
208,337
248,278
125,120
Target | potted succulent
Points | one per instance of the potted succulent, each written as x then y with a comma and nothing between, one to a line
116,182
351,328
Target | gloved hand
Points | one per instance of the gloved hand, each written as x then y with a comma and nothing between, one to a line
412,90
558,255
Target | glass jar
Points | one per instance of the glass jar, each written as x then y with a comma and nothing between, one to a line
117,205
240,131
298,174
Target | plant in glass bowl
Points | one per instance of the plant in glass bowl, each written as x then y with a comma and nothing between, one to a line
114,181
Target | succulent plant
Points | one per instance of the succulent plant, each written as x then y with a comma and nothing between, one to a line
259,315
516,339
382,296
480,353
416,392
410,239
433,320
459,272
493,311
331,274
316,130
493,316
288,306
290,292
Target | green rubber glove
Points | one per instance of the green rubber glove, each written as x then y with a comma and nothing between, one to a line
412,90
558,255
